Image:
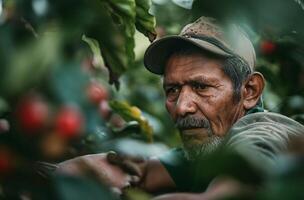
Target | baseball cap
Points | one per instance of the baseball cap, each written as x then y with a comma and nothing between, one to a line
207,34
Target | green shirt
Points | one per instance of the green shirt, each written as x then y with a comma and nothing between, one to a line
258,137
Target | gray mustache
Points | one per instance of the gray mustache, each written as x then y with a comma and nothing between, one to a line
189,122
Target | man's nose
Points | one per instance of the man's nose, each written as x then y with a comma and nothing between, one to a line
185,103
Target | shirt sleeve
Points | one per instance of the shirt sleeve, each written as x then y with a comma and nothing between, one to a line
261,137
178,167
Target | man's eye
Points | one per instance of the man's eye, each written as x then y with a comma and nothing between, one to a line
172,93
172,90
199,86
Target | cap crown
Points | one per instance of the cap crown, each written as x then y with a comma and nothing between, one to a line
231,38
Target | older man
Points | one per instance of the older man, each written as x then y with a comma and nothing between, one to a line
214,97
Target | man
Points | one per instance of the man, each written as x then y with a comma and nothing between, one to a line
214,97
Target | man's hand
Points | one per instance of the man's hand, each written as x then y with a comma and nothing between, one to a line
133,165
121,171
147,174
109,174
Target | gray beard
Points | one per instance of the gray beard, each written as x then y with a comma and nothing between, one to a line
207,147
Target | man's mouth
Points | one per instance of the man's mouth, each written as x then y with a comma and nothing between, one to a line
203,132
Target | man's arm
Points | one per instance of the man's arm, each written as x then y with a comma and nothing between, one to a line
156,178
121,171
97,165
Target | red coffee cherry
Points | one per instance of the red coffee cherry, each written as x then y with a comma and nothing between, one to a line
69,122
32,114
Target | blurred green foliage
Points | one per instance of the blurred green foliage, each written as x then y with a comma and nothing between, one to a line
55,49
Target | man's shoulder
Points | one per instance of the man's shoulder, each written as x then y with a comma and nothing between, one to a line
262,120
265,127
262,136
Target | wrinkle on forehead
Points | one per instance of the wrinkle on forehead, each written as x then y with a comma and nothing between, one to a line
193,68
183,61
201,78
190,60
187,60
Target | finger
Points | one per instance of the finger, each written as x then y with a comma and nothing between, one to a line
131,167
134,180
116,191
135,158
114,158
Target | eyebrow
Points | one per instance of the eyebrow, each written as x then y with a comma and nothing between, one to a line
194,79
169,85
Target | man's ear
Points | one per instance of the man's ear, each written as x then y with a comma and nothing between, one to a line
252,90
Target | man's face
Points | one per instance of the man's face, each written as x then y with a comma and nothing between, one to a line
199,98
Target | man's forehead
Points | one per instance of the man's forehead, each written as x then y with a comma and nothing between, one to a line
202,78
192,65
189,62
184,59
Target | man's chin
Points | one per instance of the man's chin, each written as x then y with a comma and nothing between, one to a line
191,152
194,148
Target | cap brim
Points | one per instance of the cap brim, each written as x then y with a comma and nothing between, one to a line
158,52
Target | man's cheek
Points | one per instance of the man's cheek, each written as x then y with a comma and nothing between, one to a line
217,127
170,109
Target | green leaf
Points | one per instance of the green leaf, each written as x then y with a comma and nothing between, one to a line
145,22
94,46
123,7
256,14
110,42
113,34
136,194
69,82
133,113
74,188
4,107
31,63
124,11
129,128
114,29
